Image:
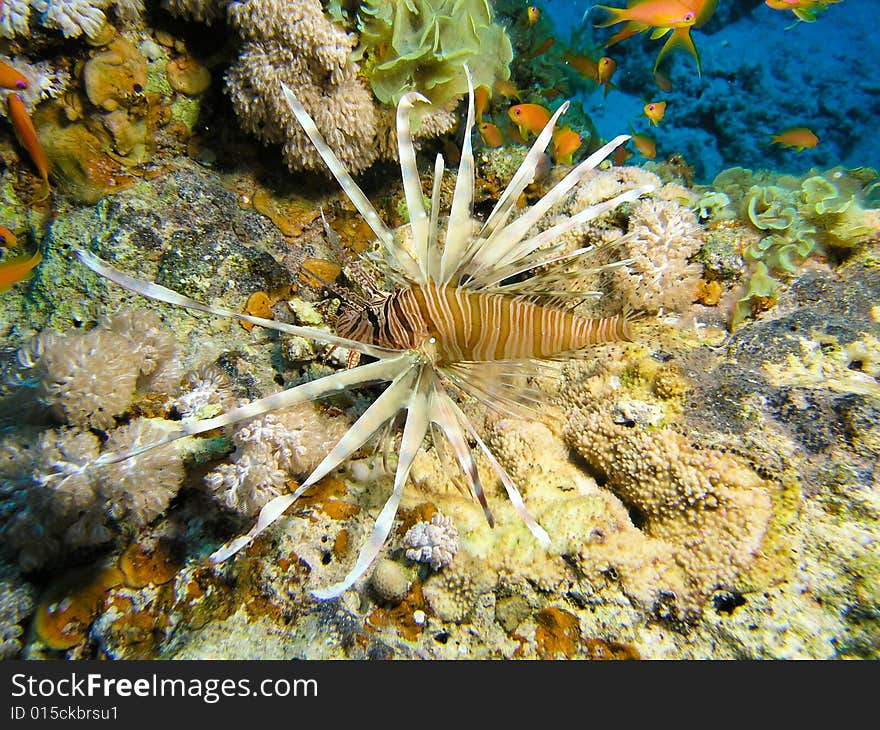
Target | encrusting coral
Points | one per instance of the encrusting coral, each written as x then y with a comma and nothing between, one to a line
703,513
16,605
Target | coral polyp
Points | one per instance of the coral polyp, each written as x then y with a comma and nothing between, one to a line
464,317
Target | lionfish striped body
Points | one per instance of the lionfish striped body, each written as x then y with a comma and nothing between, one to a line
462,325
465,315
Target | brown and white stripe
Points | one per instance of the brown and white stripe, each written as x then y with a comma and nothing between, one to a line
474,326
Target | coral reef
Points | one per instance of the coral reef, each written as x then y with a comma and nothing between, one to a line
306,50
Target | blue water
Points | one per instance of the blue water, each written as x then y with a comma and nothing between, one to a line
758,79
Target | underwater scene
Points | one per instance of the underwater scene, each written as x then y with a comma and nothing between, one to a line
439,329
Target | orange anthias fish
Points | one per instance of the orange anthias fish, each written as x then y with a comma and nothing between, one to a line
10,78
806,10
529,118
664,16
7,238
532,15
607,67
481,99
491,134
645,146
800,138
565,143
545,46
584,65
27,135
18,269
654,111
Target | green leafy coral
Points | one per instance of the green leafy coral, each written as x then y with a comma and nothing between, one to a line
423,45
820,211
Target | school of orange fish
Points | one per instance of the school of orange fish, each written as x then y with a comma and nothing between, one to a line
661,18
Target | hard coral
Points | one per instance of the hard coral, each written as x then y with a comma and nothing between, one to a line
434,542
297,44
704,514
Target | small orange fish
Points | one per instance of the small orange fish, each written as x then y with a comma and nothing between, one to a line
481,99
27,135
565,143
645,146
550,94
621,155
662,81
800,138
663,16
584,65
543,48
18,269
651,13
805,10
507,89
7,238
10,78
491,134
654,111
606,68
532,15
529,118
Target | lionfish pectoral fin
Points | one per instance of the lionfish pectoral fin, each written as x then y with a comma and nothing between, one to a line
460,227
512,492
272,510
385,407
350,187
414,431
160,293
443,415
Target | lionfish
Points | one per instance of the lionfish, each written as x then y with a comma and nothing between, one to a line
465,316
